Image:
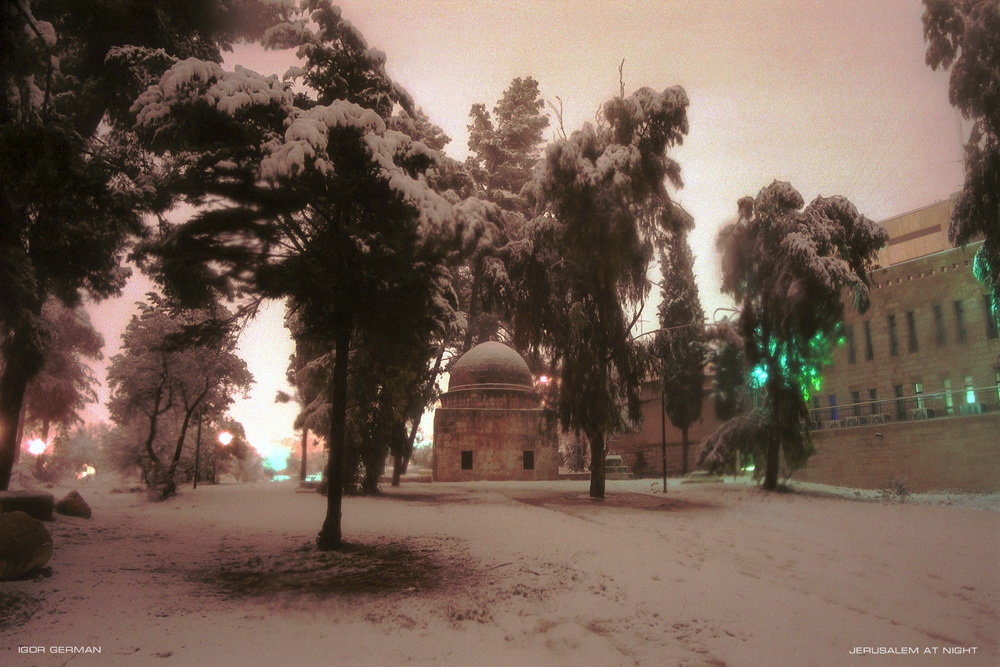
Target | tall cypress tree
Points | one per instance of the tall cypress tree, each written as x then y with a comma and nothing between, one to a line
680,343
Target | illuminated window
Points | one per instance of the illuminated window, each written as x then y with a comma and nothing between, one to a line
970,391
869,348
834,415
960,334
529,459
918,391
467,460
949,400
939,328
911,330
893,339
849,336
991,320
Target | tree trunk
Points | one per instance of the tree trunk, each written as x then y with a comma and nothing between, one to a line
397,468
197,451
20,435
12,387
663,434
374,462
305,447
409,444
596,464
330,535
684,450
774,442
477,273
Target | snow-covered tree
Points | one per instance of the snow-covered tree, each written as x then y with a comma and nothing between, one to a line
503,149
729,378
965,36
680,343
65,383
788,267
316,199
169,366
70,191
603,208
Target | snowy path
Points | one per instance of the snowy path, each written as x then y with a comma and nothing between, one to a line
516,573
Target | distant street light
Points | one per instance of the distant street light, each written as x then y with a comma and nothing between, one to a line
37,446
225,438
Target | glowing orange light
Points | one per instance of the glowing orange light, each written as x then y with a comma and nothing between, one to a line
87,471
37,446
225,437
544,379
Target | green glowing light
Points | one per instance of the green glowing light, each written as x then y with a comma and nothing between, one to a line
800,363
758,377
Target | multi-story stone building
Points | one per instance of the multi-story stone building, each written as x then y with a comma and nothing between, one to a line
912,394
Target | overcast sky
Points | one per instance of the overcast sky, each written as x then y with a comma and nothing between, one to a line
832,96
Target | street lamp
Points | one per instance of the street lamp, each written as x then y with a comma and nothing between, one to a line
225,438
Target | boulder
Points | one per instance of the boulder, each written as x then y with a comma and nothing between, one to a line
74,505
34,503
25,545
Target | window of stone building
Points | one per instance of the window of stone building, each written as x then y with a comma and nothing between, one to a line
849,337
856,403
939,329
911,330
900,402
834,414
869,348
991,320
873,405
529,459
893,338
949,400
467,460
918,391
960,335
970,391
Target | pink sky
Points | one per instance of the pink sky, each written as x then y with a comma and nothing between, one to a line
832,96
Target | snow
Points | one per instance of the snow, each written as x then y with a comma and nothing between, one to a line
518,573
229,92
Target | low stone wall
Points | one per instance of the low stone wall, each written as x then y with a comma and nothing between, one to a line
960,453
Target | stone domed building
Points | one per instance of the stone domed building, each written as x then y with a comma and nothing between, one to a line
490,425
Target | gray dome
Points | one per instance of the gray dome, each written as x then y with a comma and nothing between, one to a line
490,363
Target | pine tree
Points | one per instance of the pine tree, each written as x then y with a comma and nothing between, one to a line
323,203
68,212
680,344
787,268
503,148
603,207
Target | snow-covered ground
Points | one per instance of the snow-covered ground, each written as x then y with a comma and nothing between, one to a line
507,573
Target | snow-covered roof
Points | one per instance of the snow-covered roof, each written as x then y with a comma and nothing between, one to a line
490,363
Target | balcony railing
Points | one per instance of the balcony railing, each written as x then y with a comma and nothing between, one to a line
967,402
